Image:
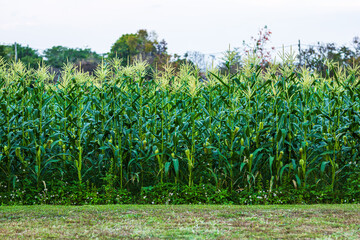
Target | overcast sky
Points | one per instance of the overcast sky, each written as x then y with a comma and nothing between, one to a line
208,26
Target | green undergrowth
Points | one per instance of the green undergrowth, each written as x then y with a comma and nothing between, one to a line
63,193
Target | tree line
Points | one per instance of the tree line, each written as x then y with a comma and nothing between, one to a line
128,47
145,45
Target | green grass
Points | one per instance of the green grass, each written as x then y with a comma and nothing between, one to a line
184,221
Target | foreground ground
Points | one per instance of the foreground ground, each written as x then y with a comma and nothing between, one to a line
185,222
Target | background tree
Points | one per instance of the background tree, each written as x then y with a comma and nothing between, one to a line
57,56
356,45
141,44
231,61
258,46
314,57
196,58
2,51
29,56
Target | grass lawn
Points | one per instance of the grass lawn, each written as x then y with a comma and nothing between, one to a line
182,221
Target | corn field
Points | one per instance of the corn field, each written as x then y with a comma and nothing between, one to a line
281,126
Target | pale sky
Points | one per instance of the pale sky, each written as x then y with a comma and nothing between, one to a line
208,26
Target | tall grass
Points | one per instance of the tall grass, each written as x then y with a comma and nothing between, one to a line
256,128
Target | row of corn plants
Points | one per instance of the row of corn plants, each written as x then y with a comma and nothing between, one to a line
272,128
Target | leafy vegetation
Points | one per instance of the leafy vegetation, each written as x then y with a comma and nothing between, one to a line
57,56
27,55
145,45
314,57
142,44
129,47
238,135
